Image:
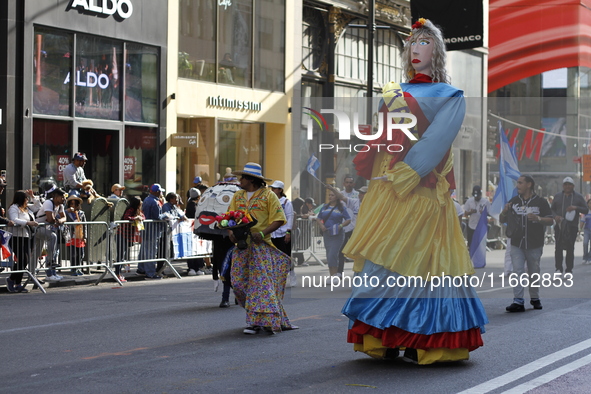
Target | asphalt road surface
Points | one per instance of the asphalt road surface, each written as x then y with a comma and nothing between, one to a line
170,336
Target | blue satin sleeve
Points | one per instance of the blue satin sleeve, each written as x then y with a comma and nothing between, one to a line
446,115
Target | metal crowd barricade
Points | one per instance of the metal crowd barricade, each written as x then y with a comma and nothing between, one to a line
185,243
12,254
133,246
305,239
52,250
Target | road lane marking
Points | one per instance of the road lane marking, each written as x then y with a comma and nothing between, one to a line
527,369
550,376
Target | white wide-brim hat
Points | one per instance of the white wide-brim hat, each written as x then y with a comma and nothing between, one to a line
253,169
278,185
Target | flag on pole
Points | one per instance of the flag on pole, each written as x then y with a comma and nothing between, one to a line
478,245
312,166
5,249
508,175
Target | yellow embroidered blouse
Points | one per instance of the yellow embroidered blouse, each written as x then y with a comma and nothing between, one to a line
264,206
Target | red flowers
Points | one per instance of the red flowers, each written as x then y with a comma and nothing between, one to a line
233,218
418,24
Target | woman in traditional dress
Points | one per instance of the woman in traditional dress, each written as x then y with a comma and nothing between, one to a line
259,272
407,232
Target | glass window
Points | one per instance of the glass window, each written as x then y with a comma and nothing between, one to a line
192,162
351,55
217,40
235,43
269,51
52,151
141,83
388,57
314,39
98,77
239,143
51,69
140,159
197,19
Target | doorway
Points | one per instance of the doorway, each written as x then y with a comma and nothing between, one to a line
101,147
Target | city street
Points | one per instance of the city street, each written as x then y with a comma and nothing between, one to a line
171,336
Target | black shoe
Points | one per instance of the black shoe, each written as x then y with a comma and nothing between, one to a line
391,353
10,286
411,354
224,304
140,272
21,289
515,308
537,304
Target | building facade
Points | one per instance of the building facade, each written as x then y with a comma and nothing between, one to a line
231,88
540,90
89,76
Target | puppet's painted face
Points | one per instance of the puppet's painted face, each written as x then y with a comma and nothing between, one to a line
214,201
421,54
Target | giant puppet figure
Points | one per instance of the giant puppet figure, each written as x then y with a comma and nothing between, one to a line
407,231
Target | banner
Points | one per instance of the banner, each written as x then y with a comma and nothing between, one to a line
460,20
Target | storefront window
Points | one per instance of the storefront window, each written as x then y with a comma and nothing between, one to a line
235,43
140,160
269,46
141,84
98,77
239,143
52,151
196,161
197,39
217,41
52,64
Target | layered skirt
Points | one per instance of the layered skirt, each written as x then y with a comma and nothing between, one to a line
258,275
409,238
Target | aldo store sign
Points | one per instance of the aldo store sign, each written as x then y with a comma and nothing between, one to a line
118,8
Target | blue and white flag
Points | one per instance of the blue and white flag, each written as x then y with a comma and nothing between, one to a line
312,166
508,175
478,245
5,245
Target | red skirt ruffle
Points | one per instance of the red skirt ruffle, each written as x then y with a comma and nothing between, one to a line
394,337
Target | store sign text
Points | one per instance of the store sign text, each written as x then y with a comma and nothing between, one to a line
129,167
123,8
91,81
62,162
235,104
225,3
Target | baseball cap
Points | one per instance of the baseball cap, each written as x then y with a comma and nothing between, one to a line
156,188
476,191
197,179
194,193
80,156
117,186
568,179
278,185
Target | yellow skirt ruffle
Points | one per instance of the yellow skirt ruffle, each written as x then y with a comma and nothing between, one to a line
408,229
